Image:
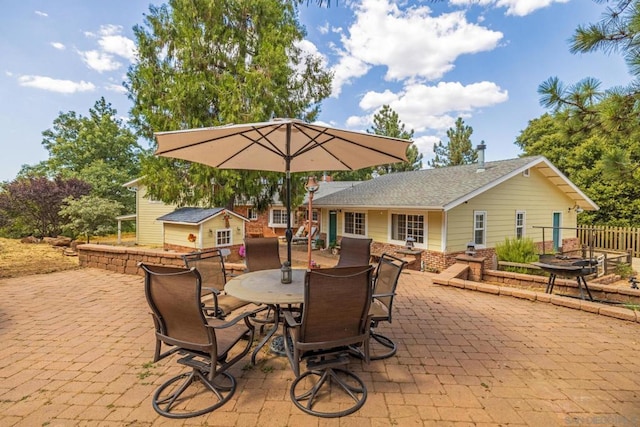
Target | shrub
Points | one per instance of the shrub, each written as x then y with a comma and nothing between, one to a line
517,250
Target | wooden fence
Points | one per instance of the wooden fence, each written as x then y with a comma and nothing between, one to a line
617,239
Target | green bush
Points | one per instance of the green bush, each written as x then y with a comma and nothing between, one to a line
517,250
623,270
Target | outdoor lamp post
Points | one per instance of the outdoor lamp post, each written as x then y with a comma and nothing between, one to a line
311,186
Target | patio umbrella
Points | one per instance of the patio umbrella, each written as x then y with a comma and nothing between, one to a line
281,145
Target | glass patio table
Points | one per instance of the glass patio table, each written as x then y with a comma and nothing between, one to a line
265,287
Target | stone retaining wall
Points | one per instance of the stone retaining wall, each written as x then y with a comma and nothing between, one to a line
125,260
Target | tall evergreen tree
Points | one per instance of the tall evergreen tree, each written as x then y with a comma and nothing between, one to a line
458,150
386,122
204,63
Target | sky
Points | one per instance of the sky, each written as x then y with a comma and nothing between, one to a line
431,62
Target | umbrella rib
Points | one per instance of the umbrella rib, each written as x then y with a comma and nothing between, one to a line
313,144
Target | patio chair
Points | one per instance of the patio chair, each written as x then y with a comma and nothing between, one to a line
306,236
262,253
384,291
210,265
204,343
334,318
354,251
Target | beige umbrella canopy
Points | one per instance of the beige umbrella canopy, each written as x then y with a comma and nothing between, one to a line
281,145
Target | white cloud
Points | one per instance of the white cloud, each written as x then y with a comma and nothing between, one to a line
43,14
55,85
58,45
117,88
324,29
433,108
411,43
99,61
112,43
348,68
514,7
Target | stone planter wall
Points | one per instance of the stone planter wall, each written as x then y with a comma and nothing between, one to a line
125,259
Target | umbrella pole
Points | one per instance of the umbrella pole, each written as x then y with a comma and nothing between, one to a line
289,233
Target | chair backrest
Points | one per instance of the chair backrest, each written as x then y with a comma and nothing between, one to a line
300,232
210,265
336,307
354,251
386,280
262,253
174,297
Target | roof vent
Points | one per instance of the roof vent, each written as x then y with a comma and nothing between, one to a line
480,148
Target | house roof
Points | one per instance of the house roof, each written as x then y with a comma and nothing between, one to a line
329,187
447,187
195,215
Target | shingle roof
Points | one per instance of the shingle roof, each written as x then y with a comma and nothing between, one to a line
190,215
439,188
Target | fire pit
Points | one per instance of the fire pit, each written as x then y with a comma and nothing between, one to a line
567,267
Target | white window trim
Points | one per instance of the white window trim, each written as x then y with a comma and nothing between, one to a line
400,242
526,173
484,230
253,211
277,225
524,223
222,230
366,224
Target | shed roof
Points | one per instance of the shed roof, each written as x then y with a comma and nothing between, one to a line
195,215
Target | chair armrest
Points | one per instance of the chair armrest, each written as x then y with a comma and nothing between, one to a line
222,324
388,294
289,319
214,291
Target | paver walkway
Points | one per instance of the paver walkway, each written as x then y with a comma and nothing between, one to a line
76,347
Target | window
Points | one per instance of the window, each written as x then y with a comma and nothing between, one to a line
479,227
526,173
252,214
278,218
223,237
405,226
520,221
354,223
314,214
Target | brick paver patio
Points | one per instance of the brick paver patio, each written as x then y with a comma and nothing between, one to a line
76,348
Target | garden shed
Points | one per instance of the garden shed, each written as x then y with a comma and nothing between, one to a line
201,228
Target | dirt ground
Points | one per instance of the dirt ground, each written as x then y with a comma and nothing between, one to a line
21,259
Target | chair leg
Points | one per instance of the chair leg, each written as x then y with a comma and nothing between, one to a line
346,381
167,398
384,341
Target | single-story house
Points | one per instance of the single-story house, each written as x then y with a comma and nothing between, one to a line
444,209
188,229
